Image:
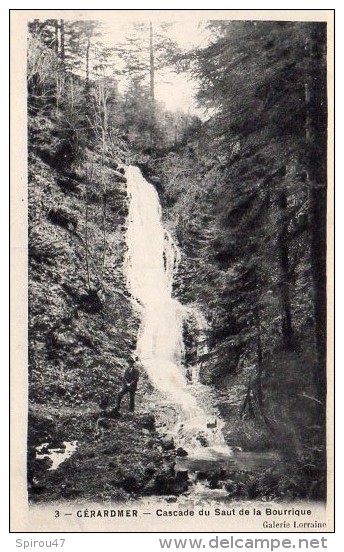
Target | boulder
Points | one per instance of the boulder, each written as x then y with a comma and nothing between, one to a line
181,452
45,450
201,437
217,478
41,465
56,443
170,482
181,482
150,488
182,476
131,484
167,443
171,499
150,470
147,421
163,483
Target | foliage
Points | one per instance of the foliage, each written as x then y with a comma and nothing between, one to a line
246,199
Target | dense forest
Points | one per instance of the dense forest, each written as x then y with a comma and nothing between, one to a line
243,191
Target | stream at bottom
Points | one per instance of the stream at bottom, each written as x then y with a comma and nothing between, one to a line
208,466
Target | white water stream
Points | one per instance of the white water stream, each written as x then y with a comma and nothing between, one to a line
56,455
152,259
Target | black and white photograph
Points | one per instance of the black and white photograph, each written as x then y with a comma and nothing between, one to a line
178,368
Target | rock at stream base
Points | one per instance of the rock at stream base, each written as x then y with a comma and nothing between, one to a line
131,484
147,421
167,443
201,437
42,464
182,476
171,484
181,452
181,482
217,478
45,450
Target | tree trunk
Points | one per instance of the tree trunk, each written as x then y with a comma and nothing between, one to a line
86,247
283,257
318,260
260,365
152,84
62,40
248,404
151,63
88,46
316,140
56,39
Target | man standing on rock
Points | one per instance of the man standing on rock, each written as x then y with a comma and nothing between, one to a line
130,380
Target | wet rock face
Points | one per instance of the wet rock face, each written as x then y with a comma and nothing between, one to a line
171,482
149,175
181,452
202,438
181,482
182,476
167,443
216,479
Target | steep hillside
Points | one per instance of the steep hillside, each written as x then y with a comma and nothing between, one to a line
82,331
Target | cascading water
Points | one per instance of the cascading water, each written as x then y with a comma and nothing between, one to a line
152,259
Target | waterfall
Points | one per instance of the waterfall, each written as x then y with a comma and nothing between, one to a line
152,259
